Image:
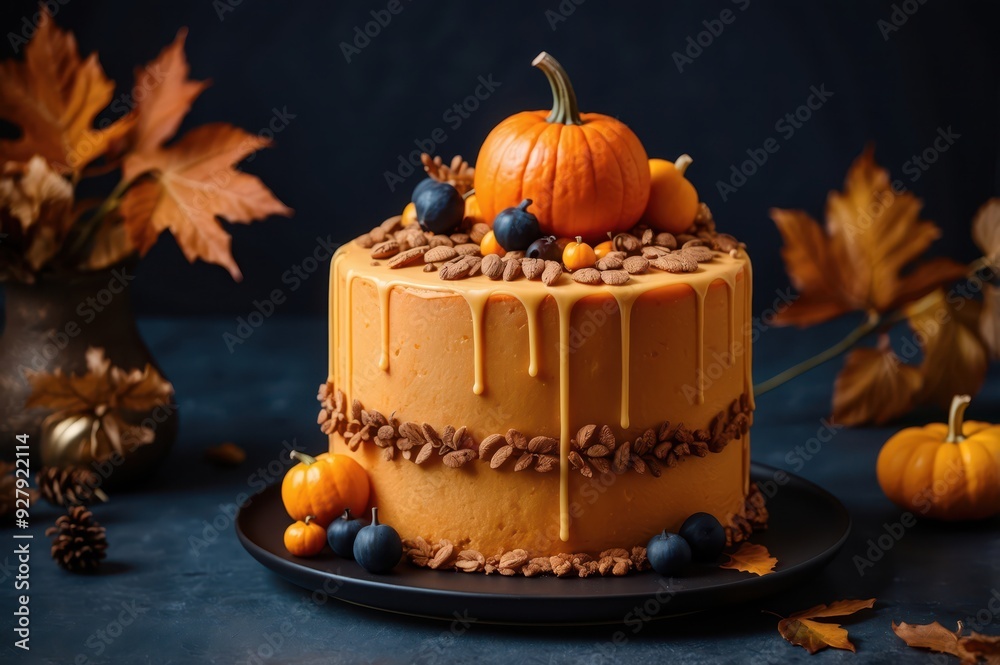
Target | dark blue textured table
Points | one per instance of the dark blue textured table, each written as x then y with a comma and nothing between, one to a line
178,588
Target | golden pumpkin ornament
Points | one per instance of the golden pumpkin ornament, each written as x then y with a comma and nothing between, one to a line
945,472
587,173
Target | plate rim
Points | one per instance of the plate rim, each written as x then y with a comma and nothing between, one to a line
280,566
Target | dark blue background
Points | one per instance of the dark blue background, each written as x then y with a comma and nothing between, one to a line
940,69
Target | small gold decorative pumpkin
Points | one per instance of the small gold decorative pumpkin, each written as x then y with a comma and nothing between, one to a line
945,472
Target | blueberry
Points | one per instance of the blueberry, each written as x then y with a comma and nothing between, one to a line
705,535
516,228
342,532
546,248
668,553
440,208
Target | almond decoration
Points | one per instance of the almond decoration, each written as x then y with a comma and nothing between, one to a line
512,269
440,253
440,241
532,268
553,271
385,249
614,277
478,232
635,265
587,276
492,266
409,257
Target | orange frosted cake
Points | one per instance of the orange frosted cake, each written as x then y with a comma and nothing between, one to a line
516,394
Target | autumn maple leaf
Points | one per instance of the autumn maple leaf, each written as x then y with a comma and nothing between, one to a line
185,186
971,648
875,386
986,233
873,234
53,97
801,630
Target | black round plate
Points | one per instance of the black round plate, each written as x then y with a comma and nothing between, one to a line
808,526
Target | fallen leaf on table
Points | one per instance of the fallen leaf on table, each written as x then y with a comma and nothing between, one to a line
860,260
971,648
800,629
186,185
53,97
751,558
955,359
874,386
102,393
226,454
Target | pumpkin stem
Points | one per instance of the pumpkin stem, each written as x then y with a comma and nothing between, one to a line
308,519
374,515
523,207
302,457
564,107
347,514
682,163
956,418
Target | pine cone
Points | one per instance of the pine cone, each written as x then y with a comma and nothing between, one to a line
80,542
70,486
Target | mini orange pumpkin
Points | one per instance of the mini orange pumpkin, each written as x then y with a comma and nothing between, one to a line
324,486
586,172
578,255
305,537
946,472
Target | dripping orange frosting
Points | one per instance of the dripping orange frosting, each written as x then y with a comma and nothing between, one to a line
545,361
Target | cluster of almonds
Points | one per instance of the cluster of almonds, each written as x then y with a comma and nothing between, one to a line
458,255
596,449
443,555
754,518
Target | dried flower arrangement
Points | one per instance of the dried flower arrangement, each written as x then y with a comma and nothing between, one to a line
54,98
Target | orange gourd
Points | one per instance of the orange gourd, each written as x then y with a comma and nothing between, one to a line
586,172
946,472
473,215
603,249
305,537
409,214
673,200
489,245
578,255
324,486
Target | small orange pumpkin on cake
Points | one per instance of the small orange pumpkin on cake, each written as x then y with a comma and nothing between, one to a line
598,183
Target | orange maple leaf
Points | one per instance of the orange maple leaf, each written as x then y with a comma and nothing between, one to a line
813,636
971,648
164,96
875,386
186,185
53,97
872,235
751,558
